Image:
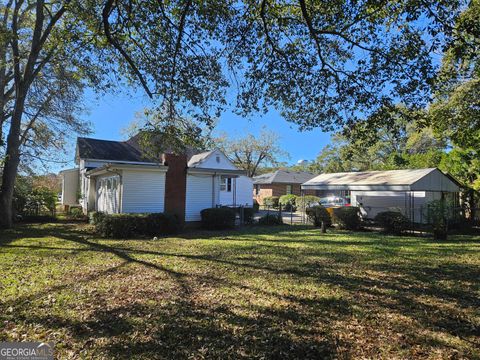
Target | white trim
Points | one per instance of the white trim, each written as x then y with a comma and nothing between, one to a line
124,161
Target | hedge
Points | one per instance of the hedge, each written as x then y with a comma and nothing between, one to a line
318,214
127,225
218,218
248,214
271,201
256,206
306,201
288,202
270,219
95,216
347,217
392,222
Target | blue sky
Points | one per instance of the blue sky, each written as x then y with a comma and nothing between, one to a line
110,114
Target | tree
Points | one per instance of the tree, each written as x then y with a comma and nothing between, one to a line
392,139
455,112
156,132
319,63
251,152
464,165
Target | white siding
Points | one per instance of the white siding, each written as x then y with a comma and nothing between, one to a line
211,162
199,195
436,181
244,192
143,191
70,186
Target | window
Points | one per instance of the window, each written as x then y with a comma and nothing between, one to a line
289,189
226,184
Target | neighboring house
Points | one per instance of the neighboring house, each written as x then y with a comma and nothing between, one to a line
278,183
407,191
116,177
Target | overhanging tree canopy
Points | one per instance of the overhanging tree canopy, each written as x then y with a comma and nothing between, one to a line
321,63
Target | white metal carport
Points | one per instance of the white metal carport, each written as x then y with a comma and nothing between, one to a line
375,191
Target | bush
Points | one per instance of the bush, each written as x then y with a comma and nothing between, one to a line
158,224
76,214
318,214
248,214
347,217
117,225
94,217
218,218
306,201
288,202
270,219
127,225
438,215
256,206
392,222
271,201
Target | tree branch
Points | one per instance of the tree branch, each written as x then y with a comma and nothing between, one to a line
106,27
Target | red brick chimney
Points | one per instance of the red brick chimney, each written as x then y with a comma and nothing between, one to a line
176,185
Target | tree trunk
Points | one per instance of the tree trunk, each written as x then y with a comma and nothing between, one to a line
471,205
12,159
323,227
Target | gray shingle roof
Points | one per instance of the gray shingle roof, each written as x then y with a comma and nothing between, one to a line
283,176
88,148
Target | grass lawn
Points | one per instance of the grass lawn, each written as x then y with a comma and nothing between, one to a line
287,292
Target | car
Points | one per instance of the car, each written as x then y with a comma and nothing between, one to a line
334,201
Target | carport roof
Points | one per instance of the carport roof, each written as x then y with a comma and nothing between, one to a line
430,179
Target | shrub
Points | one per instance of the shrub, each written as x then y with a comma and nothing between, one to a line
126,225
158,224
256,206
270,219
94,217
306,201
76,213
392,222
117,225
288,202
347,217
218,218
271,201
438,215
248,214
318,214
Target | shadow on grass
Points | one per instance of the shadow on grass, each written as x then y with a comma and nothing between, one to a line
187,327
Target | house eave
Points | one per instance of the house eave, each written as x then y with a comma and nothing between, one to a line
113,167
232,173
124,161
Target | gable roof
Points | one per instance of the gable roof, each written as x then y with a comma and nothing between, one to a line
197,159
283,176
429,179
88,148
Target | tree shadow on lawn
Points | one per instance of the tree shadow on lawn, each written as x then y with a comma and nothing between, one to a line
187,327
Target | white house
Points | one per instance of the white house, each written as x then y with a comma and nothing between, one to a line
407,190
116,177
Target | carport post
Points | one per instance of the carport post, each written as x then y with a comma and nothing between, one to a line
304,207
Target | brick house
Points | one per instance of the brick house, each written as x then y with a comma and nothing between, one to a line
278,183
